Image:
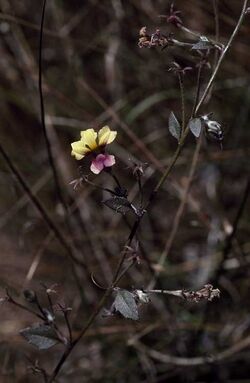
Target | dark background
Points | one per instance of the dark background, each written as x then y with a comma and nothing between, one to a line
93,68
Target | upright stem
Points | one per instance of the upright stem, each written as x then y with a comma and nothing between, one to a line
180,77
179,213
222,56
47,141
198,88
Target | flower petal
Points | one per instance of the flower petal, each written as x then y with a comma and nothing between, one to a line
88,137
97,164
78,149
106,136
109,160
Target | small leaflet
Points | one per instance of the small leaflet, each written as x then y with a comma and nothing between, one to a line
40,335
203,44
195,126
125,304
118,204
174,126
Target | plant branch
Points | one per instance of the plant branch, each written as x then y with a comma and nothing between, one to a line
222,56
193,361
198,88
183,124
47,141
36,202
179,212
25,308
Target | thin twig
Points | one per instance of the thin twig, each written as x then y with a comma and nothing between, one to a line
227,247
49,151
198,35
47,141
195,361
222,56
183,123
198,88
36,202
179,212
10,299
68,325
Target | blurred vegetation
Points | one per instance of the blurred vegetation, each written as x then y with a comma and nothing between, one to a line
95,74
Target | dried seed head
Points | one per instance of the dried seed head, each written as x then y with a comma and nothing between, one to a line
207,293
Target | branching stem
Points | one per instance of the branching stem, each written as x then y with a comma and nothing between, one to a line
135,227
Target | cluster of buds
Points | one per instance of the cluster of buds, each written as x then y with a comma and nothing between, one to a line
156,39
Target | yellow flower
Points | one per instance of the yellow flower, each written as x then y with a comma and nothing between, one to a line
91,141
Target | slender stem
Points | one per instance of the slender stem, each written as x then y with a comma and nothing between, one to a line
124,271
216,17
179,212
196,34
98,186
177,293
181,43
97,310
39,206
171,165
14,302
40,308
198,88
116,179
65,313
183,124
71,346
50,303
231,236
222,56
47,141
140,190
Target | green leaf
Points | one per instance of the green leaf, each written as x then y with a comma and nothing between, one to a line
195,126
40,335
125,304
174,126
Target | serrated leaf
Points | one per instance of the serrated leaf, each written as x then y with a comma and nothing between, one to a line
195,126
40,335
174,126
119,204
125,304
